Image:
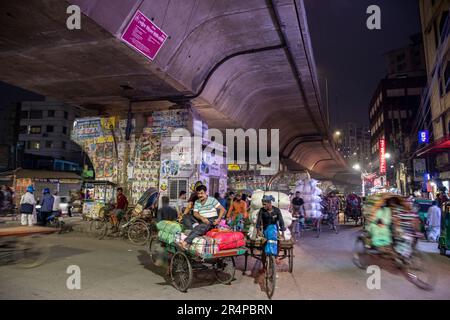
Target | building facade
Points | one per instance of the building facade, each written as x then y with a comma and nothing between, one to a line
355,146
9,118
392,112
435,107
44,133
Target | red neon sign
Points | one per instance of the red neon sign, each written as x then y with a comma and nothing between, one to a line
382,147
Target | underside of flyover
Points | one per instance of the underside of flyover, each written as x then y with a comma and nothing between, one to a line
240,64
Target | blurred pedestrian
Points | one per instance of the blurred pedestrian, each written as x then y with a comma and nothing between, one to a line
46,206
27,207
166,212
221,200
433,227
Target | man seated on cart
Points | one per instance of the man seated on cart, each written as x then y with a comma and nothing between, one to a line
205,210
271,221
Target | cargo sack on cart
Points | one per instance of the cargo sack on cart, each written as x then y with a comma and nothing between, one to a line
167,231
271,234
204,247
227,239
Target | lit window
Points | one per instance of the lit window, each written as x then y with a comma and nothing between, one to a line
35,129
36,145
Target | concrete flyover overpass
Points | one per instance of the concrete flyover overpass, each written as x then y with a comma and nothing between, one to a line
240,64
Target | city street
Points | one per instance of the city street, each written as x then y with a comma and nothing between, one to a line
115,269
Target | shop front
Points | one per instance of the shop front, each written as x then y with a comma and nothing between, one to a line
20,179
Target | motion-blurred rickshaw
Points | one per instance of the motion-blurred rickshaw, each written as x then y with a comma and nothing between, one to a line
444,238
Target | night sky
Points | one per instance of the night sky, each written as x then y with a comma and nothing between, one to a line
350,55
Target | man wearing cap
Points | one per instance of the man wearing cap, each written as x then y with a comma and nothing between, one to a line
271,221
46,206
27,207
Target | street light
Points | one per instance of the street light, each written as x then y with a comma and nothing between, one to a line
357,167
387,155
338,133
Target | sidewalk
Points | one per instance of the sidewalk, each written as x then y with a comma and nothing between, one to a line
74,224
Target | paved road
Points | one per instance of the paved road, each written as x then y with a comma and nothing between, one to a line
115,269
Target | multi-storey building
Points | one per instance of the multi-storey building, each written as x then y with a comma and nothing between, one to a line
435,106
44,131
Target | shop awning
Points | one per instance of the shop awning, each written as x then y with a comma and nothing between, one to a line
40,174
438,146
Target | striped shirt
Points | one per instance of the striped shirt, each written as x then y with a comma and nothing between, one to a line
208,209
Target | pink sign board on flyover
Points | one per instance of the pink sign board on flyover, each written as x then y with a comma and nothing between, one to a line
144,36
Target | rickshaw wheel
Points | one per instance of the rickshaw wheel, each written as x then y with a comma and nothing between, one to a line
138,233
99,228
360,254
225,269
418,273
270,276
31,252
291,260
443,251
181,271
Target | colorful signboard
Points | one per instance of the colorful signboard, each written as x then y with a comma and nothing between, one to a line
144,36
382,148
420,168
88,128
424,136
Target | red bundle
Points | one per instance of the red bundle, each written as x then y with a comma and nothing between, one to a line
227,239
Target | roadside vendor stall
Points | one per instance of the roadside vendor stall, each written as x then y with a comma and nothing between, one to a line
96,195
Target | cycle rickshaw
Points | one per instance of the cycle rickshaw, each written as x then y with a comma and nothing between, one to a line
137,224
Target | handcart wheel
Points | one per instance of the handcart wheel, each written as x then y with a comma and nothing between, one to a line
31,252
270,276
181,271
291,260
360,254
225,269
138,233
417,270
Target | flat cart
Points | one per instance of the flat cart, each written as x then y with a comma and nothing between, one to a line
183,263
18,245
255,249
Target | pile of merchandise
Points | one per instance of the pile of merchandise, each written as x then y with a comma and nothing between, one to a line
76,202
216,240
281,201
310,193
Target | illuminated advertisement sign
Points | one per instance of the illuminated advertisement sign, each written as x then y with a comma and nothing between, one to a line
382,148
424,137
